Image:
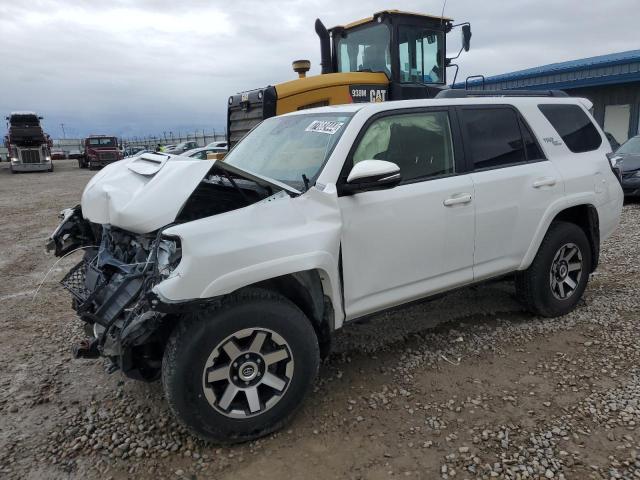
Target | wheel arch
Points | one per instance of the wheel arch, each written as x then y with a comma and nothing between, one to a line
584,215
305,289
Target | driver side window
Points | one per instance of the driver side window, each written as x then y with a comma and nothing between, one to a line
419,143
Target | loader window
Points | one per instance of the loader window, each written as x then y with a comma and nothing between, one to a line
365,50
421,55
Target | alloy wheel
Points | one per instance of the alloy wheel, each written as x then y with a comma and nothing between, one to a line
566,271
247,373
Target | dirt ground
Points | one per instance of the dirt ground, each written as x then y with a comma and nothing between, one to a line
489,392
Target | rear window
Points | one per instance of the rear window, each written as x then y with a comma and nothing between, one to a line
574,127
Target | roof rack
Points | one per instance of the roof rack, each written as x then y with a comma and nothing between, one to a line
462,93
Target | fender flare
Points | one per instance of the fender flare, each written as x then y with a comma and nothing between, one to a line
550,214
260,272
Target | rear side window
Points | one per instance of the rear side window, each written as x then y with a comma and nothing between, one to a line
493,137
574,127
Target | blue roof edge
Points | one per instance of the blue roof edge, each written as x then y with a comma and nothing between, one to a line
629,56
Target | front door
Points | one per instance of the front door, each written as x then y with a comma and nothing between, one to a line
416,239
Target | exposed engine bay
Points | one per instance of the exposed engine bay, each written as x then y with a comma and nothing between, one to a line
112,286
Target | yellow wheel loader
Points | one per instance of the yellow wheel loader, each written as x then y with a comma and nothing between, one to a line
391,55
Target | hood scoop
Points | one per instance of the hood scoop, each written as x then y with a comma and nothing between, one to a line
148,163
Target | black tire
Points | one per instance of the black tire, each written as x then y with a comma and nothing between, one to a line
534,285
80,163
187,357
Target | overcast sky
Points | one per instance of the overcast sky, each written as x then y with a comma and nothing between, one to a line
148,66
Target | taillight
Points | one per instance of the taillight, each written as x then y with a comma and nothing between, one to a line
616,163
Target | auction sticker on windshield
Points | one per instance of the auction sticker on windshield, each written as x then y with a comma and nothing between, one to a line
320,126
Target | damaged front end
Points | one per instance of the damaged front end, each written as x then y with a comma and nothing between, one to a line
112,292
119,227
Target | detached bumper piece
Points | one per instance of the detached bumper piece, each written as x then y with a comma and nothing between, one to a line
74,282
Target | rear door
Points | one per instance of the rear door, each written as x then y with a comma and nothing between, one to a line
407,242
514,184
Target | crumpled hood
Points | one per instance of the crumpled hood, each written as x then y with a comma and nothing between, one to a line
147,192
142,194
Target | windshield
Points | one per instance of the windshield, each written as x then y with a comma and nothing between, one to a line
364,50
285,148
631,146
102,142
421,55
24,120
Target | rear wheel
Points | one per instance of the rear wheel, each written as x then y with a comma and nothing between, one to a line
240,370
558,276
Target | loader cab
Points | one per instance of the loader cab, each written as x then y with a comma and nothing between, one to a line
409,48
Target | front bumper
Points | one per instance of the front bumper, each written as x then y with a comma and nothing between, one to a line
631,186
30,167
101,163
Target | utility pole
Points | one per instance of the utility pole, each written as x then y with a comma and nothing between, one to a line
64,135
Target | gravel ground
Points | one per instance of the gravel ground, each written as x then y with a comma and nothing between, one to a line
466,386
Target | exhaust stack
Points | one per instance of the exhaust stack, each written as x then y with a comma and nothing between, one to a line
325,47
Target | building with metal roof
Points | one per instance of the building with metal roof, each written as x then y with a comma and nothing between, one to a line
611,82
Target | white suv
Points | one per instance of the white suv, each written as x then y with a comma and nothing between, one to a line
228,279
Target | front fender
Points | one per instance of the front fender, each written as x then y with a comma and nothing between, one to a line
223,253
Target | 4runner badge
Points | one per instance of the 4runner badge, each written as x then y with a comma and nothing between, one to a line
367,93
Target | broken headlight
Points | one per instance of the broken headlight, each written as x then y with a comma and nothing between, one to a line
169,255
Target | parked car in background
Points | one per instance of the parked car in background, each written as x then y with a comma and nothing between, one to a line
99,150
612,141
181,148
58,154
137,153
229,279
202,152
129,151
218,144
629,156
74,154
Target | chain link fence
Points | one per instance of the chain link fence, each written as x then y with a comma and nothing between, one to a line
71,146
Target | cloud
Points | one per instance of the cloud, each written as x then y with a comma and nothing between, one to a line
143,67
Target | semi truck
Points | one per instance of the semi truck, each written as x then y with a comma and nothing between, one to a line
99,150
28,145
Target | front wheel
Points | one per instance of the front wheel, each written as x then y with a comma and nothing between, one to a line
240,370
558,275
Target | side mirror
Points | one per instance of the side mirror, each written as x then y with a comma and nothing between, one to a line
369,175
466,37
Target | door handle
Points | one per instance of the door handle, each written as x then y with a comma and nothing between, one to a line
457,199
544,182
